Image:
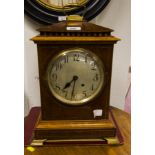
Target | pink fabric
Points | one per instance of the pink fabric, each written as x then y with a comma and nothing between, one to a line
128,101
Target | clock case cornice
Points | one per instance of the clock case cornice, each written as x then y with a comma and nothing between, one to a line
58,32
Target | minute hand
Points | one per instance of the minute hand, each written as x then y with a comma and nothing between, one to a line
75,79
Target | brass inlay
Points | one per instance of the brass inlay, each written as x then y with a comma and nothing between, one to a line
67,124
110,141
82,39
38,142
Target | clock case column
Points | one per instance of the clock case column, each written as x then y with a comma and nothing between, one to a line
60,121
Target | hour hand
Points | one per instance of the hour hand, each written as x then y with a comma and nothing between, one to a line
67,85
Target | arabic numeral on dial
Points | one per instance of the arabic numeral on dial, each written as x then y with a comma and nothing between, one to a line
85,93
54,76
58,66
57,87
92,87
96,77
93,66
76,57
66,59
86,58
65,93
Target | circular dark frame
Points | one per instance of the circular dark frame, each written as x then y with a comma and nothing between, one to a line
45,15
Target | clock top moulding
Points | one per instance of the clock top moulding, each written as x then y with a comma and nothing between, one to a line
88,33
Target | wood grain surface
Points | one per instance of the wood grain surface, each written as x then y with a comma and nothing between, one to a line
123,120
53,40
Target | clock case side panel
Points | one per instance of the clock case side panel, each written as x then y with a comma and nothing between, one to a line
52,109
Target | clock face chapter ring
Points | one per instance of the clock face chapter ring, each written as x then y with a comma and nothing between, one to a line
75,76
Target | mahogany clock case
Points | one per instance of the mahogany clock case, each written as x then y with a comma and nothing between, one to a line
49,46
46,15
46,53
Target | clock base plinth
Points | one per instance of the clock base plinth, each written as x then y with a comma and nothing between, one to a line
74,129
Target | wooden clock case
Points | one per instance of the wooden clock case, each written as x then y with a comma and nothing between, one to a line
61,121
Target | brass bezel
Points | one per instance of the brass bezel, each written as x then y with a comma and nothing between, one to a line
100,67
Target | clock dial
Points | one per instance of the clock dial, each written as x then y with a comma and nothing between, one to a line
59,4
75,76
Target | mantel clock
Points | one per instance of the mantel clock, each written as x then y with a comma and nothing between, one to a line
75,65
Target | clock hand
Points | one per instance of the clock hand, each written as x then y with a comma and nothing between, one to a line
69,83
75,77
74,80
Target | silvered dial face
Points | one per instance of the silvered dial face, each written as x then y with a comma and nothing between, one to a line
75,76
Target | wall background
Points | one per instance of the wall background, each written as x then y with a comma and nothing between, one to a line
116,16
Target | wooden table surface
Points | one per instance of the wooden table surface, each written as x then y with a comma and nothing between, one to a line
123,120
